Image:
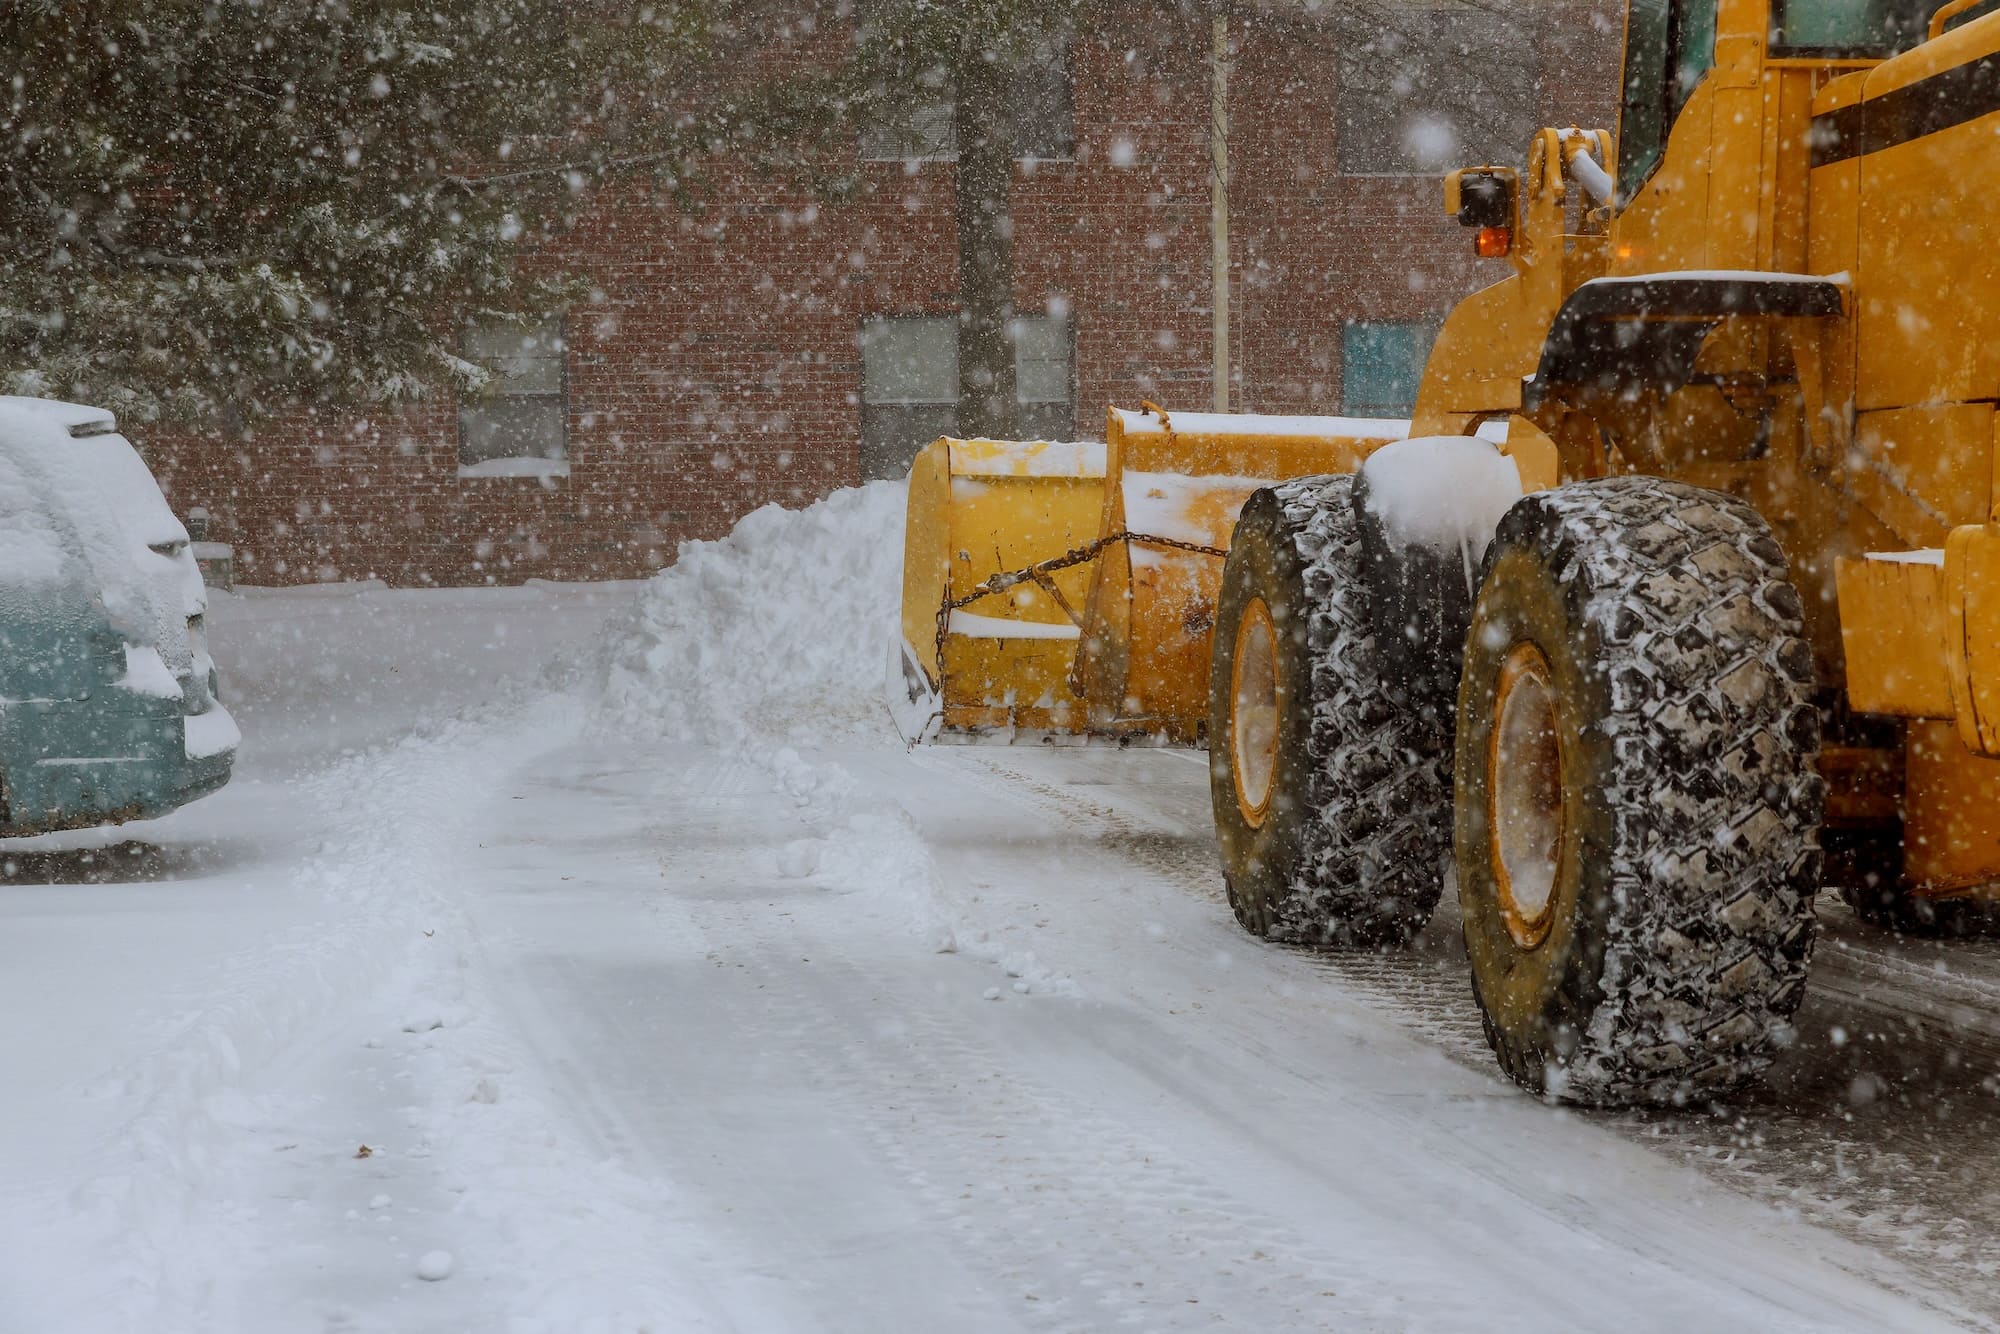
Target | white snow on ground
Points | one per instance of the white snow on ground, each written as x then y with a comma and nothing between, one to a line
501,996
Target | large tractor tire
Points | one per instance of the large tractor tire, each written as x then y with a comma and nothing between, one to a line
1331,804
1638,794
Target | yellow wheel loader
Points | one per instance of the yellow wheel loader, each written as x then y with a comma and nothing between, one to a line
1678,599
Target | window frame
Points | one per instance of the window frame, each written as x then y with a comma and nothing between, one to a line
870,405
541,466
1782,50
1068,344
945,97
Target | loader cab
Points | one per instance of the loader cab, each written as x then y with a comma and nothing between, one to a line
1670,48
1697,177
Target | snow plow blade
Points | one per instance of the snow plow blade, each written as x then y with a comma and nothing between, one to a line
977,509
1069,589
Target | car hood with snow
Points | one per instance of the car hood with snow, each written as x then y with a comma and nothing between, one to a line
108,706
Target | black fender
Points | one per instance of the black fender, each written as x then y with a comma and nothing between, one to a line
1617,334
1427,510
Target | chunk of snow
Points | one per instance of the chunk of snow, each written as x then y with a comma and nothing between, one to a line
147,673
1724,275
783,621
1446,493
1921,556
211,733
798,859
1246,423
434,1265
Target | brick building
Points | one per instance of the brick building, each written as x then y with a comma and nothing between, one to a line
768,347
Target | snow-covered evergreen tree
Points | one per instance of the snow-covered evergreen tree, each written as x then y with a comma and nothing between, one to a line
214,208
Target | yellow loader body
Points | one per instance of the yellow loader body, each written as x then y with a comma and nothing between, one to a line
1866,435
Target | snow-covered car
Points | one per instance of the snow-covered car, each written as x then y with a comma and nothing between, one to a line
108,705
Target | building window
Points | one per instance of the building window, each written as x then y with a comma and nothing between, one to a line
1381,366
909,390
516,429
1045,377
1041,114
909,385
1427,93
917,130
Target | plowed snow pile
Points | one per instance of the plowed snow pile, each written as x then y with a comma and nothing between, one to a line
784,624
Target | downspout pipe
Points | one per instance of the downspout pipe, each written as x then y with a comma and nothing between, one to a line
1218,203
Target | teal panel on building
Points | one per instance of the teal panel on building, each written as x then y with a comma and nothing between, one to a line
1381,365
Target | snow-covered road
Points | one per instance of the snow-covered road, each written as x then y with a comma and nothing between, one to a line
695,1002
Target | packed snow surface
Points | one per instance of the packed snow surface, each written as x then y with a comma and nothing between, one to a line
590,960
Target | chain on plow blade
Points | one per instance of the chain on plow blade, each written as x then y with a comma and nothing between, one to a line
1038,574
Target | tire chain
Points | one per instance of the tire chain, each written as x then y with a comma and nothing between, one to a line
1717,796
1381,781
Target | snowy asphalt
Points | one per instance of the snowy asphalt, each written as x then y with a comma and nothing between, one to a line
621,1034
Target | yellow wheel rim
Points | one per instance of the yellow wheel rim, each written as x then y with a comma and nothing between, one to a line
1253,712
1524,795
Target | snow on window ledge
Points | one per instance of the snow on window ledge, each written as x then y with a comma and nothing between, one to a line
534,466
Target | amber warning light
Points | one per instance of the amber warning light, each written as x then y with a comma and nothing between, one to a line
1493,242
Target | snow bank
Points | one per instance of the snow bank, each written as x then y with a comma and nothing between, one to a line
783,625
769,645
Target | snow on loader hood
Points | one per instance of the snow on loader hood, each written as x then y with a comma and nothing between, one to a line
783,624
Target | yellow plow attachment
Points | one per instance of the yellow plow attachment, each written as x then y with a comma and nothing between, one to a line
977,509
1070,588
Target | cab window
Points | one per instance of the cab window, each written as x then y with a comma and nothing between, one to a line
1850,29
1669,48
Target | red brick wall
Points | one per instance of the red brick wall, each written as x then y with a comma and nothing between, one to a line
715,367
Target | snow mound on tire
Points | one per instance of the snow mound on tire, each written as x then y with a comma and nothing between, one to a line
781,627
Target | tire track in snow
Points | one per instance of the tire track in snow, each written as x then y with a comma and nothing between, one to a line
1080,1223
1856,1146
1073,1220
